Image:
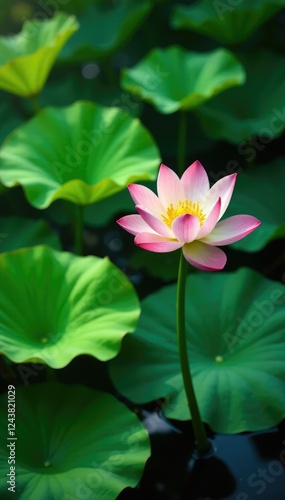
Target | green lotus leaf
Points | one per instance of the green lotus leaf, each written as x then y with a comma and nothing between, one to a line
104,29
86,153
27,58
72,442
240,114
227,22
159,265
235,326
17,232
254,195
173,79
56,306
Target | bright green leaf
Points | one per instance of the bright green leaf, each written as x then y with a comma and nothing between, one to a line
85,153
236,345
17,232
55,306
255,109
173,79
27,58
226,21
73,442
104,29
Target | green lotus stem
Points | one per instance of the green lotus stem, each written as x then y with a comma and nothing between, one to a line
202,442
36,104
182,134
78,230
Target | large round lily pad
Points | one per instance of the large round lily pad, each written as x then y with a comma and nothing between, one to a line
72,443
104,29
260,191
235,326
239,114
82,153
226,21
173,79
55,306
27,58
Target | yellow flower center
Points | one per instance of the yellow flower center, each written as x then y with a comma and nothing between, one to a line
183,207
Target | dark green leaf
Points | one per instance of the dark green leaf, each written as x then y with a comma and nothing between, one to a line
235,325
255,109
260,192
72,442
17,232
226,21
104,29
173,79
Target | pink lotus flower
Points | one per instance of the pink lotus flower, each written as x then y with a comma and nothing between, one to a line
185,215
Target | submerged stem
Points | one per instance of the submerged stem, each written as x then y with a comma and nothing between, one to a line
202,442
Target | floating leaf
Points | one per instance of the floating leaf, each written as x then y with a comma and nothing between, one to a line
240,114
236,344
17,232
27,58
55,306
173,79
226,21
104,29
254,195
86,153
73,442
